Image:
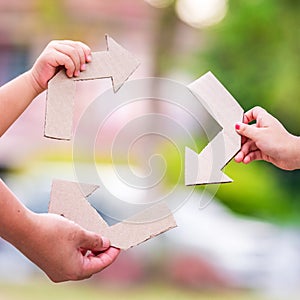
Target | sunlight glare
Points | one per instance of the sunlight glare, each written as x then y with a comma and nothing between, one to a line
159,3
201,13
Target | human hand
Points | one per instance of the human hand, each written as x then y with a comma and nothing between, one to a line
71,55
267,140
64,250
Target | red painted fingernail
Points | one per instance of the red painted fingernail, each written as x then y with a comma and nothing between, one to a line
237,126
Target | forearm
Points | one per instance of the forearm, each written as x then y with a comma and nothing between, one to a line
15,218
294,152
15,96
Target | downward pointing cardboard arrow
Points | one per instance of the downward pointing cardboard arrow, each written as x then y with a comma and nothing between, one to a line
205,168
116,63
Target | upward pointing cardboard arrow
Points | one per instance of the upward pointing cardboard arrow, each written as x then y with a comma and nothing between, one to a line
205,168
116,63
68,200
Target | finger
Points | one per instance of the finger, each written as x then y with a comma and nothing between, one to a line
85,49
244,140
81,56
64,60
94,264
92,241
251,156
72,53
247,147
252,114
239,157
87,52
251,132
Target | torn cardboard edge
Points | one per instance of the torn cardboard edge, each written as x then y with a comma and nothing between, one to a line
69,200
116,63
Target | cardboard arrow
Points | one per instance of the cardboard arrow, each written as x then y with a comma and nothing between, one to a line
116,63
68,199
206,167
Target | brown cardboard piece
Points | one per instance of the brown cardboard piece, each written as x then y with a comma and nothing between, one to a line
68,199
205,168
116,63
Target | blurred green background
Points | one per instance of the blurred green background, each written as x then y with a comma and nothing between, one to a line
254,52
252,46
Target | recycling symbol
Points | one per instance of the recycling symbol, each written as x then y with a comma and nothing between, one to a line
163,111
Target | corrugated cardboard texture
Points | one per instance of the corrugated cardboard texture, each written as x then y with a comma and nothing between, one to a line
206,167
116,63
68,199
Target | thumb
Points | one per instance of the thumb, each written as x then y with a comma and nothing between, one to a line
247,131
93,241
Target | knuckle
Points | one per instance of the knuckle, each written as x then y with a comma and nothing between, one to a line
97,242
81,232
259,109
73,51
53,44
69,64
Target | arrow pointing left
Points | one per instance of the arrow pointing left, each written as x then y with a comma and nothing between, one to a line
116,63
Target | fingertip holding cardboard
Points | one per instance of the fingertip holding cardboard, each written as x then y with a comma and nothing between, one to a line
69,200
116,63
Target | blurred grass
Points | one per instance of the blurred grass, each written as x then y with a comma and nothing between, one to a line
45,290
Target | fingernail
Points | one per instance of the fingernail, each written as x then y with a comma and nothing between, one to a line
76,73
69,74
89,58
105,242
83,67
237,126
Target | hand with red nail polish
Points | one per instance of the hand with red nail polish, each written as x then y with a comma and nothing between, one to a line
267,139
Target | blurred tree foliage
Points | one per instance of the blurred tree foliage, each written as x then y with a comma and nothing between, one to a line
254,52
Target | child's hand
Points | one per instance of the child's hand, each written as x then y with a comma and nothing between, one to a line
267,140
71,55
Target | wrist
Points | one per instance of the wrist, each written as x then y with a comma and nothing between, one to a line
33,82
18,227
295,152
